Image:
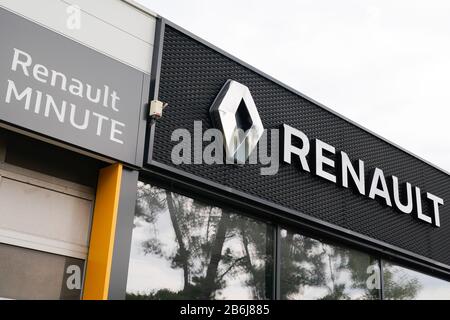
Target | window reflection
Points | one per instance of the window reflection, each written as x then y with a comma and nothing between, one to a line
312,269
184,249
405,284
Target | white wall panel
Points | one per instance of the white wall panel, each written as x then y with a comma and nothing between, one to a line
121,15
39,218
112,27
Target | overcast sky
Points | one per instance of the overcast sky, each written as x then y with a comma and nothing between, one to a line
384,64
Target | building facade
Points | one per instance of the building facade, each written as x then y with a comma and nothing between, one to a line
138,161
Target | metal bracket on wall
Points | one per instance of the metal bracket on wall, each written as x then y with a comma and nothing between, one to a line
156,109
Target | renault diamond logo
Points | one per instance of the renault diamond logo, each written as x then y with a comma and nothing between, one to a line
234,112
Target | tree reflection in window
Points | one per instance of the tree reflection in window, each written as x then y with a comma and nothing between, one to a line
401,283
220,254
184,249
312,269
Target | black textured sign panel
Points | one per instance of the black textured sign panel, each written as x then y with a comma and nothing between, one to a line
192,74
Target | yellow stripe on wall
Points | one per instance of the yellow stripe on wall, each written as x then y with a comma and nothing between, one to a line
103,229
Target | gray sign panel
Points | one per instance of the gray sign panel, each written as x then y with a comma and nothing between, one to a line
54,86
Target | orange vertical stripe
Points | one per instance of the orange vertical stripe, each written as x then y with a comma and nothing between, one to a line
103,229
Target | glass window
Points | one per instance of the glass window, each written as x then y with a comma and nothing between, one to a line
184,249
312,269
405,284
31,274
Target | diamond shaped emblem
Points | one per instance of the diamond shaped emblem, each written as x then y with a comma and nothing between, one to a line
234,112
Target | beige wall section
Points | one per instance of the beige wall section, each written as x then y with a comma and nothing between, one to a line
113,27
41,215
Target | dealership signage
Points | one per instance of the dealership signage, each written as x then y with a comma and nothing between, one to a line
322,159
59,88
347,181
235,114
